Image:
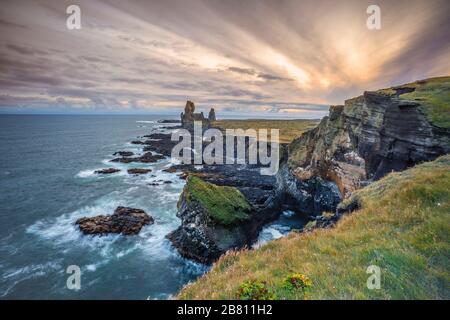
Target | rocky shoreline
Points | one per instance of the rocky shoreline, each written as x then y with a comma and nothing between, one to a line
224,207
199,237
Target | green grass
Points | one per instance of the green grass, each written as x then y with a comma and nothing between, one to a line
289,129
225,205
403,226
434,96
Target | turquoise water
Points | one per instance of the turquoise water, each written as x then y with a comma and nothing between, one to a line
46,183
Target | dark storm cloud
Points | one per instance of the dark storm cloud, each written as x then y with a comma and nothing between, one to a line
252,72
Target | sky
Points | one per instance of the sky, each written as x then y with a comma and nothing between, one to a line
252,58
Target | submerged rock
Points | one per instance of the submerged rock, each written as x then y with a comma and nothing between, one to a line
147,157
123,153
128,221
158,136
169,121
170,170
137,171
107,171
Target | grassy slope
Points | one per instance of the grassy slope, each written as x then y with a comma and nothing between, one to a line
434,95
289,129
403,227
226,205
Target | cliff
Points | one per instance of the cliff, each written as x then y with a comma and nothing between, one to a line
214,219
363,140
402,227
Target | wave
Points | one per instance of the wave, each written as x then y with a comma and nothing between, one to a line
146,121
271,232
18,275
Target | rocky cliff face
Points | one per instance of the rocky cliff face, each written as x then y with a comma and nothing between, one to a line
363,140
214,219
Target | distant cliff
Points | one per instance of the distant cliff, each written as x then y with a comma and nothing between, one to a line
363,140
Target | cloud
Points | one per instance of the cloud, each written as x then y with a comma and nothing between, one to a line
251,72
290,58
5,23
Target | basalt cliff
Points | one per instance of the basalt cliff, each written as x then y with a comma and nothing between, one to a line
363,140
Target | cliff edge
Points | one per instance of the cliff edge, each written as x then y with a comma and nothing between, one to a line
364,139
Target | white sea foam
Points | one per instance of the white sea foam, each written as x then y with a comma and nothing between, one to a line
18,275
91,267
86,173
288,213
271,232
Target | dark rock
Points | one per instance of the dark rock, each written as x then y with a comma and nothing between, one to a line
362,141
312,196
157,136
203,235
123,153
147,157
162,144
257,188
137,171
212,115
128,221
169,121
107,171
189,116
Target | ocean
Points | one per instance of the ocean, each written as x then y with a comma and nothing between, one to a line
47,183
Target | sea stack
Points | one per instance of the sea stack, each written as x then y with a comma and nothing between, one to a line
189,116
212,115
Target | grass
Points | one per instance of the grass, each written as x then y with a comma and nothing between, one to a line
434,96
403,227
289,129
225,205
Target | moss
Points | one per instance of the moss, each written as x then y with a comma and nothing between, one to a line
310,225
402,226
434,96
225,205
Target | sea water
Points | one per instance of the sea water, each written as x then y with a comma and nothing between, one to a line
47,182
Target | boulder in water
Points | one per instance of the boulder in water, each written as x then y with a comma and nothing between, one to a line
128,221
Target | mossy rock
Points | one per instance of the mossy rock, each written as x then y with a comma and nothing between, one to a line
225,205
